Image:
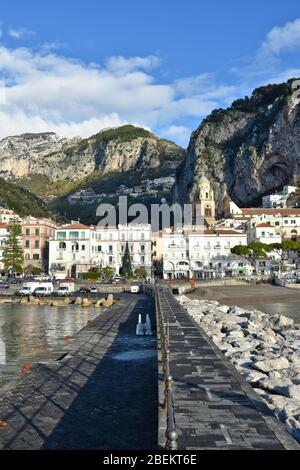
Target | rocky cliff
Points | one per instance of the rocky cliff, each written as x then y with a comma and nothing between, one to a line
119,149
73,176
247,150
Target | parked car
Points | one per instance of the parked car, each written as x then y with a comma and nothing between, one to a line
85,290
93,290
4,285
118,280
135,289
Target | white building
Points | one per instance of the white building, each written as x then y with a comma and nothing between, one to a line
110,244
6,215
76,248
278,199
264,233
202,255
70,251
286,221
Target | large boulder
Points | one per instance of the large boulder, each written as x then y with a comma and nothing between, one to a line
294,392
284,322
78,301
271,364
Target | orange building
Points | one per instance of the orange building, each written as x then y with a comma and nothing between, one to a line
35,241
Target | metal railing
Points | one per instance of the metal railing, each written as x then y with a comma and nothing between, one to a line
168,405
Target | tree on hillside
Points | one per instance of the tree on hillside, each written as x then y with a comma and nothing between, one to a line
13,257
126,269
252,252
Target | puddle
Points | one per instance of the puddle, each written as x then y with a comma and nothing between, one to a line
137,355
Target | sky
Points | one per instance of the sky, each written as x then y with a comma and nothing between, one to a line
75,67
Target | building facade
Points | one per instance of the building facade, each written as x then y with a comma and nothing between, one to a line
36,234
76,248
192,254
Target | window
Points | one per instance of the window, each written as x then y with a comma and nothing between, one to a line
142,236
27,256
142,248
37,232
74,234
82,247
99,248
110,248
142,259
27,231
61,235
82,235
36,244
110,260
36,256
27,244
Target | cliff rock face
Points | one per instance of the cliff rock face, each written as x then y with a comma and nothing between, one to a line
119,149
247,150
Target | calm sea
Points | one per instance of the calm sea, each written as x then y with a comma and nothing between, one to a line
28,334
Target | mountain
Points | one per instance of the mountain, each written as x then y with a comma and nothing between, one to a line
75,175
23,202
246,151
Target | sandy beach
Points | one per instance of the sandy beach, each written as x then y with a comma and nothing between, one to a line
248,294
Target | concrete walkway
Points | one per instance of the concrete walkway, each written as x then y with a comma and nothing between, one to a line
214,406
101,395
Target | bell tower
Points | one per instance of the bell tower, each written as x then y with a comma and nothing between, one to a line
207,201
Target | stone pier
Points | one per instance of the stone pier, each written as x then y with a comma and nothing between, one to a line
100,395
215,408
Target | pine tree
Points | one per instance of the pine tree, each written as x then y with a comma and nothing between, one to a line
126,269
13,257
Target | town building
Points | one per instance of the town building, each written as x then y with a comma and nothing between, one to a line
70,250
6,215
264,233
36,233
286,221
205,199
278,199
76,248
191,254
110,244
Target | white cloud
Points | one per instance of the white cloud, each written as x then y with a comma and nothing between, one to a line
282,38
119,64
179,133
49,92
20,33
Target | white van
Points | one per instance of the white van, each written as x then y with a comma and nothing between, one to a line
65,289
30,288
44,290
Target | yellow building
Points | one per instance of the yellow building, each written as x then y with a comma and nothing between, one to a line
206,200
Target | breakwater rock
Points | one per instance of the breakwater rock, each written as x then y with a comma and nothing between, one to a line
264,348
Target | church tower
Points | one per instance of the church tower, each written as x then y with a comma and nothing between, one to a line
206,199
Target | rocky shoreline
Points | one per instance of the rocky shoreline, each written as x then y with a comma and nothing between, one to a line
265,349
62,302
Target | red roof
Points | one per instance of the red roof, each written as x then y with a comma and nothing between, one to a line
74,227
261,210
264,225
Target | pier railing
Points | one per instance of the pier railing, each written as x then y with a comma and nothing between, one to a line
163,337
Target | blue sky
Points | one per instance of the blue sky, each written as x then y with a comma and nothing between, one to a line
75,67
